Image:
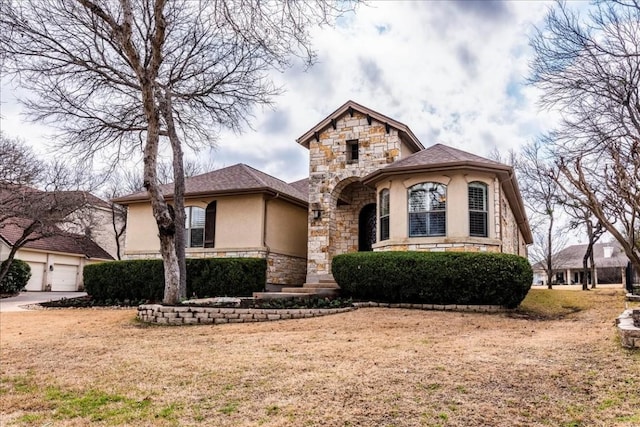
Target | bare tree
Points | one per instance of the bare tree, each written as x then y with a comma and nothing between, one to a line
540,194
120,76
589,71
29,214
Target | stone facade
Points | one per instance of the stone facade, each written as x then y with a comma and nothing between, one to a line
281,269
512,240
332,175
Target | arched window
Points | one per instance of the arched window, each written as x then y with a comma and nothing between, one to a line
384,214
478,209
428,209
194,226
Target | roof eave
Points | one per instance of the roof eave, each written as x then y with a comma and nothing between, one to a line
380,174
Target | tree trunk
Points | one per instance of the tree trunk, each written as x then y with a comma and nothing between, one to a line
549,254
178,190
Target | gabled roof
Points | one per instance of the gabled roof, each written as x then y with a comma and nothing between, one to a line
572,256
405,133
61,241
439,157
236,179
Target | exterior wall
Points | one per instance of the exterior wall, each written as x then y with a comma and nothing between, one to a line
512,239
239,224
457,229
330,173
286,228
240,232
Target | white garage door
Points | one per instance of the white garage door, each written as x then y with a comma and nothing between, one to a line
37,274
64,278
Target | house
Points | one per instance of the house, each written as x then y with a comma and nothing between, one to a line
372,186
74,226
609,259
56,260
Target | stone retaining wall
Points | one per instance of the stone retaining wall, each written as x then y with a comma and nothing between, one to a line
171,315
449,307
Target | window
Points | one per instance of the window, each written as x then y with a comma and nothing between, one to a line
194,226
478,225
427,209
384,214
352,151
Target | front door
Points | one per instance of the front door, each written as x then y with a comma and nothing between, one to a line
367,227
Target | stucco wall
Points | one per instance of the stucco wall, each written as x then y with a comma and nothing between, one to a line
286,228
239,223
457,228
97,224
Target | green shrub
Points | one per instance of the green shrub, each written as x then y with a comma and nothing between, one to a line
17,277
144,279
434,277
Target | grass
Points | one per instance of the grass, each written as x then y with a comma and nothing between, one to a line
556,363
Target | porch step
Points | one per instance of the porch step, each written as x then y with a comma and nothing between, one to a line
321,285
324,291
279,295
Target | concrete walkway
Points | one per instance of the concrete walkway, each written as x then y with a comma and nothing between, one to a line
26,298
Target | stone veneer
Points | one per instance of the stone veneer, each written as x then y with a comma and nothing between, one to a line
511,236
330,173
281,269
441,247
628,324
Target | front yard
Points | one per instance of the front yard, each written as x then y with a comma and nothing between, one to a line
559,366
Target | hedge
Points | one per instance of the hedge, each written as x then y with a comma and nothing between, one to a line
434,277
17,277
144,279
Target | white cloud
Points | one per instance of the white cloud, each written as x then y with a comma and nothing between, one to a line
454,72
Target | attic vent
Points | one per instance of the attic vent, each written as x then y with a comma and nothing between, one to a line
608,251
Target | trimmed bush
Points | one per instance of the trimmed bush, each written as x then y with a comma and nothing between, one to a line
17,277
144,279
434,277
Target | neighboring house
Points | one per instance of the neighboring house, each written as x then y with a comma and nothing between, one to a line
97,219
609,259
372,186
56,261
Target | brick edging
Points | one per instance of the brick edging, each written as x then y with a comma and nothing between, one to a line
439,307
189,315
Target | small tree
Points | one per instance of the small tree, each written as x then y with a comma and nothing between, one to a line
588,70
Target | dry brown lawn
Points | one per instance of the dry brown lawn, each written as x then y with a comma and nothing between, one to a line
369,367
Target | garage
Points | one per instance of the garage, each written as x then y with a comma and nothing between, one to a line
64,278
37,276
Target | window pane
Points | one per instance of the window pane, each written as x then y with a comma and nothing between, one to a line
197,237
417,225
197,217
417,200
478,224
384,202
477,199
437,222
384,228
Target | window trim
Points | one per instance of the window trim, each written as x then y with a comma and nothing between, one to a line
384,217
484,213
429,212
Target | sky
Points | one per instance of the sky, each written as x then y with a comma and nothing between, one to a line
453,71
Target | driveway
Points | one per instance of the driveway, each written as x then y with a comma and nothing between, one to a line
26,298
